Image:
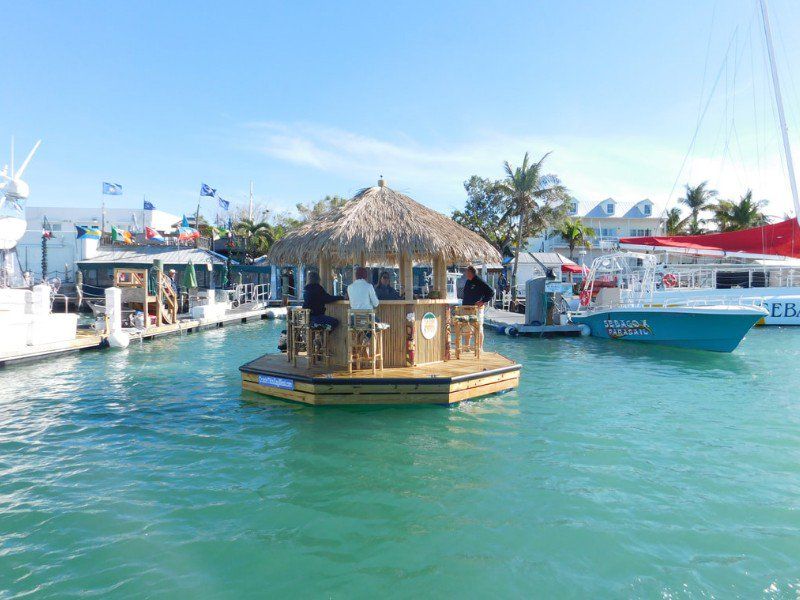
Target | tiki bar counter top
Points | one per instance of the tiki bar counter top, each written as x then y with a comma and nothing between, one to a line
381,227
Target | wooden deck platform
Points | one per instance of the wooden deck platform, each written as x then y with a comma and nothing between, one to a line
443,382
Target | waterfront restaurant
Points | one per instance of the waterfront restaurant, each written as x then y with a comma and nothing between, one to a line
380,227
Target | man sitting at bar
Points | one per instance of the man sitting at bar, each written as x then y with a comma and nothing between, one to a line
360,293
384,289
315,298
476,291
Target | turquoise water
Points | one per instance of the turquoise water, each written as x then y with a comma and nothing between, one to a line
615,470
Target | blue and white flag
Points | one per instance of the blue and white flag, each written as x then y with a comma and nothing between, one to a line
149,205
112,189
207,190
223,204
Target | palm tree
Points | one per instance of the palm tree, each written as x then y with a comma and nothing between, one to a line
746,213
676,223
698,198
576,234
538,200
258,235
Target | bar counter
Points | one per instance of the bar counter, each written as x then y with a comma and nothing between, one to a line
429,340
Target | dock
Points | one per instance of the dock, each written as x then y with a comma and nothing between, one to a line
513,324
89,340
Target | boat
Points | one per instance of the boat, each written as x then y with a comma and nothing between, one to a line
616,303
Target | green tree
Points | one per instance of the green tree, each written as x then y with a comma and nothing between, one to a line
697,199
538,201
575,233
730,215
320,207
676,223
258,236
488,212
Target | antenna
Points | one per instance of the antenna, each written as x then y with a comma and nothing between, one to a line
781,116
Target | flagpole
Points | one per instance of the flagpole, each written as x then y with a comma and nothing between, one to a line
144,221
250,211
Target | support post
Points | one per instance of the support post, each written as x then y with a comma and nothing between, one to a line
407,276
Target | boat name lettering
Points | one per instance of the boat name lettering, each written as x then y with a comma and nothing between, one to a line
276,382
617,328
779,309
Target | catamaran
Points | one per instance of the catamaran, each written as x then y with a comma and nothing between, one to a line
617,303
759,264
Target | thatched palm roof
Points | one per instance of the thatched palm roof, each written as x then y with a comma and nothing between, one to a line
380,223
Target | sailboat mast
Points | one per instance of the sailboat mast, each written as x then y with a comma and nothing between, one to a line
250,211
779,101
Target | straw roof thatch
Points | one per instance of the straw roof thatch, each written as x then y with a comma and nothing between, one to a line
380,223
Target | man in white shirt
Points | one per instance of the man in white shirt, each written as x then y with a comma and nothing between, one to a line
361,293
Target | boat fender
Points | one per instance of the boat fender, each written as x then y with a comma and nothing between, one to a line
670,280
119,339
585,330
512,331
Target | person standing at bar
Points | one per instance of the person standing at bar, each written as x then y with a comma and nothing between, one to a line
476,291
384,289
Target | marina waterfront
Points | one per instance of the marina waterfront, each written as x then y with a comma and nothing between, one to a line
614,470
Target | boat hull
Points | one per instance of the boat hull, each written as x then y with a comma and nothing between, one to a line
717,329
782,303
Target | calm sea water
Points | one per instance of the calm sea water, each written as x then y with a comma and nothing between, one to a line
615,470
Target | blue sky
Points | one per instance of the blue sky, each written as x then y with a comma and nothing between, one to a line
308,99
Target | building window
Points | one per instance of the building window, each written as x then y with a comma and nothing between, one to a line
55,227
573,208
648,210
610,208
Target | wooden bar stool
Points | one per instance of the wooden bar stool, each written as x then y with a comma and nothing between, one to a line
364,340
319,351
467,324
297,325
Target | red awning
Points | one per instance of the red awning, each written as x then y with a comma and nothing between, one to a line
573,268
781,239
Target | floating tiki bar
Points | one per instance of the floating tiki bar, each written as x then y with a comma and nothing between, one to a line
381,227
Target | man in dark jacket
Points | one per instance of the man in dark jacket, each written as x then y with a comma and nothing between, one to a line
315,298
476,290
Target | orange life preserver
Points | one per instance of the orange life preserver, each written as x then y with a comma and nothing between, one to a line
585,297
670,280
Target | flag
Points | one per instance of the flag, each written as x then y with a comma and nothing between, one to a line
207,190
91,233
223,204
185,222
187,233
112,189
148,205
120,235
152,234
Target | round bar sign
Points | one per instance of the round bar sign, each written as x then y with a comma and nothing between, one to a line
429,325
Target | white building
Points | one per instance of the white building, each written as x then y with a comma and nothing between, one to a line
611,220
64,249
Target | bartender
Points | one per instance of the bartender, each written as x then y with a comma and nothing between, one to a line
476,291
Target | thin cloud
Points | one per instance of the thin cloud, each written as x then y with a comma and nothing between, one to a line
628,169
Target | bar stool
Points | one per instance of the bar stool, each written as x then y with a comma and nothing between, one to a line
297,333
364,340
467,324
319,345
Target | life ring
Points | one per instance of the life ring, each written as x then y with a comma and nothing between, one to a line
585,297
670,280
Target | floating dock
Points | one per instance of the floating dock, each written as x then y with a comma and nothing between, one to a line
511,323
89,340
445,382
